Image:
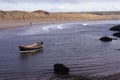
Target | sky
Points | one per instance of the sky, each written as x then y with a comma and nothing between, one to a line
60,5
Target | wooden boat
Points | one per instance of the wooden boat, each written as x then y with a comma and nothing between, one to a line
31,48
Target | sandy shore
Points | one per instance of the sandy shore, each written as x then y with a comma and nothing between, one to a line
14,24
10,19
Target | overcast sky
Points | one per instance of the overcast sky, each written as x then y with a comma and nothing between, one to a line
61,5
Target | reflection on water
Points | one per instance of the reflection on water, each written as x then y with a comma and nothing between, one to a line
73,44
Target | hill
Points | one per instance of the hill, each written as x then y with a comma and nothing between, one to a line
43,15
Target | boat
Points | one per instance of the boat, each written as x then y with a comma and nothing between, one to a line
31,48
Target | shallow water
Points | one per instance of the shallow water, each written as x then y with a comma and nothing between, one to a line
75,44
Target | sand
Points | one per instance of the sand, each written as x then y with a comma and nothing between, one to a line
10,19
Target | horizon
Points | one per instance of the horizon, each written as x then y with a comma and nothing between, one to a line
63,12
61,5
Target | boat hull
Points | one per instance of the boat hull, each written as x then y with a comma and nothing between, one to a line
31,48
31,51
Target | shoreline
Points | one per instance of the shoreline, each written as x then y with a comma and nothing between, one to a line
22,23
11,19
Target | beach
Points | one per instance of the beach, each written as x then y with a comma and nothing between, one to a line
65,38
14,24
9,19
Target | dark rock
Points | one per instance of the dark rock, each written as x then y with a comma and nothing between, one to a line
116,34
105,39
115,28
61,69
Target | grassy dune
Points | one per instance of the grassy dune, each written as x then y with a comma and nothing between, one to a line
10,19
43,15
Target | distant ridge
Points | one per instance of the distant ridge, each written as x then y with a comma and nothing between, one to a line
41,12
41,15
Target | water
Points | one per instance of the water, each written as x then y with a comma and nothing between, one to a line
75,44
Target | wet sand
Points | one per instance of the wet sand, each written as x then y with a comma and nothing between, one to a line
14,24
110,77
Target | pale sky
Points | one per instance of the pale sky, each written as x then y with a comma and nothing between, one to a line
61,5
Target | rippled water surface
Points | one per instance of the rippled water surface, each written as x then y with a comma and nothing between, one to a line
75,44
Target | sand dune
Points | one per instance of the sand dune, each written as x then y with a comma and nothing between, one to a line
20,18
43,15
